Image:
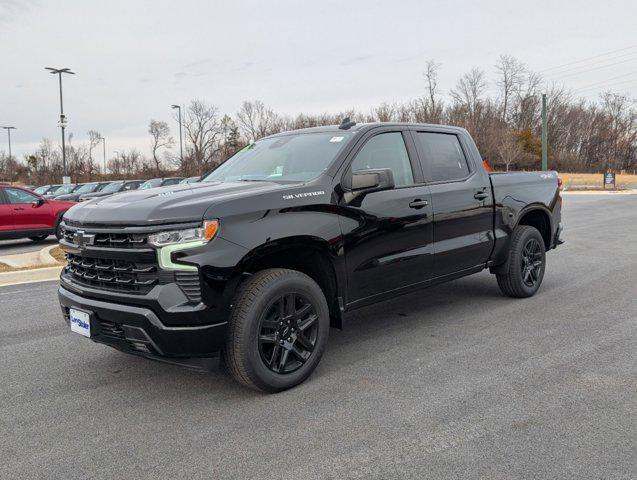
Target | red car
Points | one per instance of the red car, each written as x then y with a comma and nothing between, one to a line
24,214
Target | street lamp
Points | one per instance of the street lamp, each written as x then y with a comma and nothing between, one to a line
8,129
59,72
181,147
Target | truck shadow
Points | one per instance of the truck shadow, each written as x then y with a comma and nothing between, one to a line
421,313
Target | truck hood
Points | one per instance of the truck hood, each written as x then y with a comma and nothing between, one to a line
171,204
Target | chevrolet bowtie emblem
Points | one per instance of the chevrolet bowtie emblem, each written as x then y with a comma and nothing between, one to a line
82,239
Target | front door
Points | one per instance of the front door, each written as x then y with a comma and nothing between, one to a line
462,203
388,234
27,213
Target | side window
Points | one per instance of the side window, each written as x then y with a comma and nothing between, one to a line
3,200
386,150
444,159
130,186
17,196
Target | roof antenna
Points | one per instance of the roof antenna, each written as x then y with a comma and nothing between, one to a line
346,124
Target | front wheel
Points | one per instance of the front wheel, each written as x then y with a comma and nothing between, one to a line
526,264
277,331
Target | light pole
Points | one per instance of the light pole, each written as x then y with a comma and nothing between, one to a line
8,129
104,152
181,145
59,72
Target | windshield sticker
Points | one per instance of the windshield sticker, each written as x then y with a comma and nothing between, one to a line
336,139
302,195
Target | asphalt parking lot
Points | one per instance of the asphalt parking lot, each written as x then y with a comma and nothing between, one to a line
454,382
23,245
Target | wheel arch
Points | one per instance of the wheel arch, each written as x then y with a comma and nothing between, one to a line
310,255
538,216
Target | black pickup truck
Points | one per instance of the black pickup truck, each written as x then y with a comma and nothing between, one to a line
273,247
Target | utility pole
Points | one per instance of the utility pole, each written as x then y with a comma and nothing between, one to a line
545,157
8,129
181,146
104,152
59,72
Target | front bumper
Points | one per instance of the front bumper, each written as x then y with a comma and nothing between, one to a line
138,330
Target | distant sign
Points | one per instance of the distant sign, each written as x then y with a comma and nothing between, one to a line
609,180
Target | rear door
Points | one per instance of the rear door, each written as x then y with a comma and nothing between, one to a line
461,200
28,215
388,234
6,214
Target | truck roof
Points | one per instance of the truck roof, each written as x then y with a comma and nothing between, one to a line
366,126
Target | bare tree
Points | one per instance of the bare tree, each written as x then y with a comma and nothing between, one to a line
509,149
433,110
510,79
160,138
256,120
203,134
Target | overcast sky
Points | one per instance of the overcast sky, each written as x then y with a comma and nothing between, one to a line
135,58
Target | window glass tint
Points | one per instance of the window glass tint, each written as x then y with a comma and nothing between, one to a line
16,196
131,186
444,159
386,150
171,181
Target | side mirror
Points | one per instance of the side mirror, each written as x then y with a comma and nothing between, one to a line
39,202
373,180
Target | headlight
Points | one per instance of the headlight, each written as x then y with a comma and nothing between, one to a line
202,234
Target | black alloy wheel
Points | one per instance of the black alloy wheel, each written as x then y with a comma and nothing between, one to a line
531,262
288,333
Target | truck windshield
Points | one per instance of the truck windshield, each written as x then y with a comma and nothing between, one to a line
289,158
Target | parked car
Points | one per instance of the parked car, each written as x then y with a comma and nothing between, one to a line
46,189
83,189
25,214
112,188
258,259
63,190
160,182
190,180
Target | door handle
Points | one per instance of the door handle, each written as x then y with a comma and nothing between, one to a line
18,208
481,195
418,203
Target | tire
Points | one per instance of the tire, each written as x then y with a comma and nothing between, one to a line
525,265
58,229
39,238
258,333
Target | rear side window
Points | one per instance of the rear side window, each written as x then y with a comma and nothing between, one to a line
17,197
444,159
386,150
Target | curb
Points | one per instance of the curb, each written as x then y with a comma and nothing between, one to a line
598,192
45,254
30,276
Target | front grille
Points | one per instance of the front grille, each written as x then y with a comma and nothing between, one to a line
119,259
114,240
110,329
112,274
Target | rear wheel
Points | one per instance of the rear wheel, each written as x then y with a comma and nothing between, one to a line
526,264
277,331
38,238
